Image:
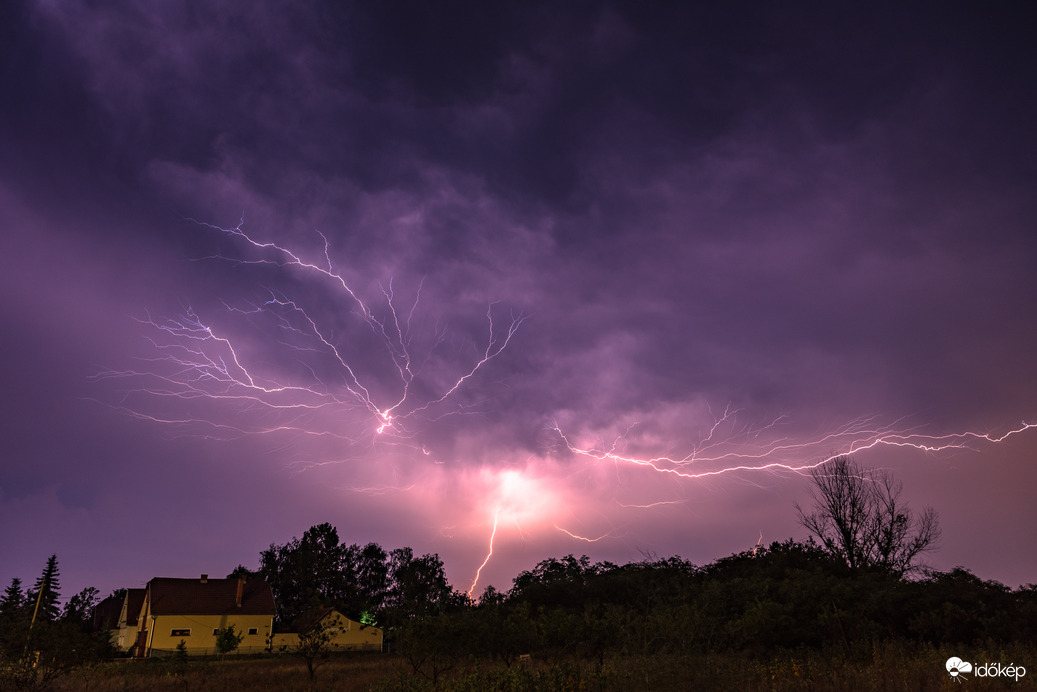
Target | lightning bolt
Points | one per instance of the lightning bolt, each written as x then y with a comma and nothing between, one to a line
577,537
781,456
225,383
489,554
221,371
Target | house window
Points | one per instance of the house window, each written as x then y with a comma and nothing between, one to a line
253,630
215,631
180,633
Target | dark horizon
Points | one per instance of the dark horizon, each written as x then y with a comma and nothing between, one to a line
604,279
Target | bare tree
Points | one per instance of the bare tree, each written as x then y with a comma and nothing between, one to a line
859,516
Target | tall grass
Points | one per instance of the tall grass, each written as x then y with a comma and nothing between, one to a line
880,667
282,674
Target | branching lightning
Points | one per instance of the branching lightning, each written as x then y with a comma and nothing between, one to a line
224,383
204,362
747,453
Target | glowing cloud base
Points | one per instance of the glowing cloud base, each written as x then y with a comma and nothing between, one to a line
343,379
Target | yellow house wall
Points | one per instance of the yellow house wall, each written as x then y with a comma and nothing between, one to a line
124,637
202,641
121,635
358,637
285,641
354,637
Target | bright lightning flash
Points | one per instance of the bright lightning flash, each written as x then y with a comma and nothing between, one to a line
516,498
225,382
489,554
222,369
754,451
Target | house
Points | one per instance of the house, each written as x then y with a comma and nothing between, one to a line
344,634
192,610
106,613
118,615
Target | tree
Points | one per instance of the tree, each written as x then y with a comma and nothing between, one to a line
318,571
417,585
43,598
243,571
859,517
318,641
368,569
35,651
80,608
555,582
498,630
12,603
307,573
227,640
435,644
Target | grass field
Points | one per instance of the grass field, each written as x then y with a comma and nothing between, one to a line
885,666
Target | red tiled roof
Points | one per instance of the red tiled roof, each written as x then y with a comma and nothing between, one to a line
211,597
310,619
107,612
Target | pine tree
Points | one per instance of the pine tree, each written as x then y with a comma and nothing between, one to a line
12,603
46,592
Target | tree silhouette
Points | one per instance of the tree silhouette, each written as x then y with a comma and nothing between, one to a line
79,609
859,517
228,640
307,573
43,597
417,585
12,603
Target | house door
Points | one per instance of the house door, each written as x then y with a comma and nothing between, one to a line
142,643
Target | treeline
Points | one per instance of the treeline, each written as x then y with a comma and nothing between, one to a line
40,639
787,595
858,588
363,582
666,618
790,595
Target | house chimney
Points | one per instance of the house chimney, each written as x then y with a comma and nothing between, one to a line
205,578
241,591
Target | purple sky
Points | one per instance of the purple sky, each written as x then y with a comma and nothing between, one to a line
728,237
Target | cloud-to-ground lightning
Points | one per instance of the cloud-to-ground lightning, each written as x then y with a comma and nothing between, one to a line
726,449
489,554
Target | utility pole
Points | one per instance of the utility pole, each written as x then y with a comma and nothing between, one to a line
39,597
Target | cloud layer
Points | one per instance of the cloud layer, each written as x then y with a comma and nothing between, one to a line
726,238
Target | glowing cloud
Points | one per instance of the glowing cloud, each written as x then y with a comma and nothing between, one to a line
348,380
